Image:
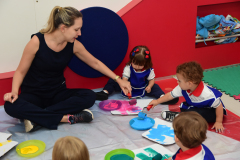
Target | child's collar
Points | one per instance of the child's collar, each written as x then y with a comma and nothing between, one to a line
138,71
189,153
197,92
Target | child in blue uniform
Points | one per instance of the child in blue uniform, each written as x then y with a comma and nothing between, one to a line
140,74
190,130
199,97
70,148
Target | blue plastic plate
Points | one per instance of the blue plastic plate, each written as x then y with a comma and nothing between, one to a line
142,124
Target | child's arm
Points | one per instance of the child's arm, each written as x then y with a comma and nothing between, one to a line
150,85
125,79
219,118
165,98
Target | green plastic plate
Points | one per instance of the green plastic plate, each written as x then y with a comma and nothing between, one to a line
119,151
40,144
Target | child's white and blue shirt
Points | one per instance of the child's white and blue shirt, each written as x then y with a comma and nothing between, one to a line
138,79
198,153
202,97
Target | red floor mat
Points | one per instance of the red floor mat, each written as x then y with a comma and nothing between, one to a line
237,97
231,122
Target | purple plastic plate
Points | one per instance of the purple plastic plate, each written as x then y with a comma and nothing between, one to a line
109,105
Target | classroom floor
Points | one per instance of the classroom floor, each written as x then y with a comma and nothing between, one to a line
108,132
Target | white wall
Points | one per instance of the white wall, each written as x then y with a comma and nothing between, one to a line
17,23
21,18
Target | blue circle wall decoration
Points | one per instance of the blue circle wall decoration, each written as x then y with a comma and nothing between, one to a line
105,36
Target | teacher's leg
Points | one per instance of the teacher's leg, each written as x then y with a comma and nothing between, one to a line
31,107
73,104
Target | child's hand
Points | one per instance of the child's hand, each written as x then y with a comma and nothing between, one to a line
218,127
148,89
153,103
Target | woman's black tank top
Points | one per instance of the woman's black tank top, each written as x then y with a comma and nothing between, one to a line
45,74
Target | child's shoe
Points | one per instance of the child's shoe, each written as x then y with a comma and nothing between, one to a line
84,116
101,96
169,115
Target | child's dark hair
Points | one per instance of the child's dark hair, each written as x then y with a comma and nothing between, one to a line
191,71
140,55
190,128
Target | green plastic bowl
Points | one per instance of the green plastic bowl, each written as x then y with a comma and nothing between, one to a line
119,151
40,144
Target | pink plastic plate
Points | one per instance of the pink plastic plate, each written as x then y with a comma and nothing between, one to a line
109,105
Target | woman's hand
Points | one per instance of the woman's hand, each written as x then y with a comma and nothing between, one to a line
125,86
10,97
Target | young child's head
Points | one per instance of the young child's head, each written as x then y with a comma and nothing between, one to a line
70,148
140,58
189,72
190,129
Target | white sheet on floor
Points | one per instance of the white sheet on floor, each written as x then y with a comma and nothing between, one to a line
105,133
6,143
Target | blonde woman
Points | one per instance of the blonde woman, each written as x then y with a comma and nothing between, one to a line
70,148
44,99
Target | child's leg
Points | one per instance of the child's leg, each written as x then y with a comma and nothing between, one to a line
108,89
209,114
157,92
112,86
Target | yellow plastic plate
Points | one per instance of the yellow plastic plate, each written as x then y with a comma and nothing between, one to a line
40,144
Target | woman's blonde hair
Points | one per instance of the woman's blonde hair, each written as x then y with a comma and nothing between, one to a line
70,148
59,15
